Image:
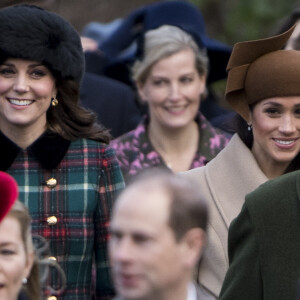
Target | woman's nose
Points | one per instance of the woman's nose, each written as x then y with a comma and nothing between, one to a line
287,125
174,93
21,84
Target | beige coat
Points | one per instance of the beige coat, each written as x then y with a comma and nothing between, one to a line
224,182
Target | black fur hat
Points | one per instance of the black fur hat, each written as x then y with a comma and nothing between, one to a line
30,32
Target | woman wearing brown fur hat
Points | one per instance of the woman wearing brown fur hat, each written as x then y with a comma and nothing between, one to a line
58,154
263,88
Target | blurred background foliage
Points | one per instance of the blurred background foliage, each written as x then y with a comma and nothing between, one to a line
232,21
229,21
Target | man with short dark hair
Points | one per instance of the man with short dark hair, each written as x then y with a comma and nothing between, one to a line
157,237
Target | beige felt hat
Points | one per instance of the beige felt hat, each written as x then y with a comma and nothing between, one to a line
259,70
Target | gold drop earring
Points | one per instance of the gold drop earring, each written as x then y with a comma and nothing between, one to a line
54,101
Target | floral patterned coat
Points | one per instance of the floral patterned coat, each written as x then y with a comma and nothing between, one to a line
135,151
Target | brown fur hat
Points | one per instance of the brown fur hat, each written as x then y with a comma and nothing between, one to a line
259,70
30,32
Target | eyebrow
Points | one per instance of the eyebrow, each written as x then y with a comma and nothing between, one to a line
112,230
278,104
4,244
184,74
31,65
272,103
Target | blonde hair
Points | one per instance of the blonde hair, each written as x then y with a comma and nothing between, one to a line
21,214
33,287
163,42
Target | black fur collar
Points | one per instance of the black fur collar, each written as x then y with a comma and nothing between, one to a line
49,149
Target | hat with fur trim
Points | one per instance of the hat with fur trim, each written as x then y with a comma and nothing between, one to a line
30,32
259,70
8,193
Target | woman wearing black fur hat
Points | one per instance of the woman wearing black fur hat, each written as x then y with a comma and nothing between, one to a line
55,150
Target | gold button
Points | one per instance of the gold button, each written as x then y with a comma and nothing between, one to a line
51,220
51,183
52,298
52,258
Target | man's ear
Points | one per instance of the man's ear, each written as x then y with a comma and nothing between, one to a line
194,242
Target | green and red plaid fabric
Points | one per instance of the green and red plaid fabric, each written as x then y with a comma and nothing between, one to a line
88,178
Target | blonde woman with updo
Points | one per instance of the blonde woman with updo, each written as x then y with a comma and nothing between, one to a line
171,80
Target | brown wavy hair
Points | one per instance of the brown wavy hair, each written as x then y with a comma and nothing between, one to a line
69,119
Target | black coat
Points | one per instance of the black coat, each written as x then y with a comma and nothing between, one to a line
114,103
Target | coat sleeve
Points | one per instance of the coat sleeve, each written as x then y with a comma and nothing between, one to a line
111,183
243,278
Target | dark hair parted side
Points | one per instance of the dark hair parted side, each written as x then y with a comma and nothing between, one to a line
32,33
69,119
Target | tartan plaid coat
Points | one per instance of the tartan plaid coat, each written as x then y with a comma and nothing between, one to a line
71,210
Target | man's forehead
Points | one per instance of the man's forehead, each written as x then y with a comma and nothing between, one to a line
146,196
138,203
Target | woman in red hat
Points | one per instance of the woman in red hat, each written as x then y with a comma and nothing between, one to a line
18,278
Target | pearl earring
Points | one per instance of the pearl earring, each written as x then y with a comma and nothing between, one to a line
24,280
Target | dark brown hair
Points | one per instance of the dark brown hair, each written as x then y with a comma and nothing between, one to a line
238,125
187,209
69,119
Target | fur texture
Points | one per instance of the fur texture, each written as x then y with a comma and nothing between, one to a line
30,32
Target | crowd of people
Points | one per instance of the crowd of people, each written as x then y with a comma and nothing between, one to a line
121,175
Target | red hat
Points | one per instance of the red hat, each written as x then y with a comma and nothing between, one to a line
8,193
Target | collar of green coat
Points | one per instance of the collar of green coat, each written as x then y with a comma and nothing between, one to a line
49,149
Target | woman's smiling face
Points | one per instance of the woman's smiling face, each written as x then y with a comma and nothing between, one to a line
26,89
276,130
172,90
15,262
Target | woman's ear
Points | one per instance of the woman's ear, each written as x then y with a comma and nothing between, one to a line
203,87
29,263
141,92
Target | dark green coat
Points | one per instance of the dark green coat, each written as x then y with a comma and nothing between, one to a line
264,243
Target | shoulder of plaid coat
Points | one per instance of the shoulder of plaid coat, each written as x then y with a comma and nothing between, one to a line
70,206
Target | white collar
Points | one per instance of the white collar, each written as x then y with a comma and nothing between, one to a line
192,293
